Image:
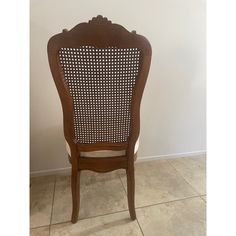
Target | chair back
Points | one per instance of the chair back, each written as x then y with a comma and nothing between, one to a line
100,70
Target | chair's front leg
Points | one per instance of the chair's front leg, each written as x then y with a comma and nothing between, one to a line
75,188
131,190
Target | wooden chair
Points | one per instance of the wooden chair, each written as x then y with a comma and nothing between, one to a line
100,70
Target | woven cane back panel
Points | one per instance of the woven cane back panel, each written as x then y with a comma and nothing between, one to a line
101,83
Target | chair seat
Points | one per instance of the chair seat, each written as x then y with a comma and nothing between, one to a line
103,153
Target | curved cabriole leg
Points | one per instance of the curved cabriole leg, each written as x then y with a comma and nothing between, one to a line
75,188
131,190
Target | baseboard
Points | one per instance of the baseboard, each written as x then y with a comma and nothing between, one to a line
171,156
139,159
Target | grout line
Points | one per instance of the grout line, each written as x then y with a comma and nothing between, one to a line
176,200
122,183
139,225
90,217
52,204
184,178
41,226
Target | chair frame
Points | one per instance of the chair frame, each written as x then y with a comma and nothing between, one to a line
100,33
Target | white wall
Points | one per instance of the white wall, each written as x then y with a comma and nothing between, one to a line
173,106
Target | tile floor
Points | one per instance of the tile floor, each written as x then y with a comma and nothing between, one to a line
170,201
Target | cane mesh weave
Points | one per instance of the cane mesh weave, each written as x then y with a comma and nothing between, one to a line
101,82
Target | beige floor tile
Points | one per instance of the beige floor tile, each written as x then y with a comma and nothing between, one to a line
193,169
41,197
42,231
100,194
118,224
179,218
157,182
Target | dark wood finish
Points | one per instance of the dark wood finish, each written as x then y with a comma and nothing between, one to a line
102,164
99,33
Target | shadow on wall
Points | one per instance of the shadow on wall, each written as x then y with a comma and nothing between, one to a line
47,149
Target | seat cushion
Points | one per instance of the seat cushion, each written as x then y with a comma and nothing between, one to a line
103,153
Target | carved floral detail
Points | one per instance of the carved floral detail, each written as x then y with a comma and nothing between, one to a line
99,20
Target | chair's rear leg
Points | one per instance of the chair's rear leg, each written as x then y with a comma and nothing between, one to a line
131,190
75,187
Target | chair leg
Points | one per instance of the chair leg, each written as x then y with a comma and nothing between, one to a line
75,187
131,191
